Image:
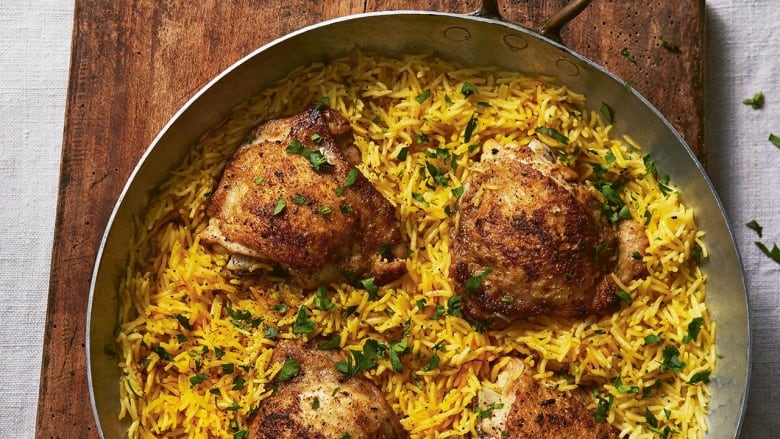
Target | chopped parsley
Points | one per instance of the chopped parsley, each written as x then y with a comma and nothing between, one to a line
671,360
315,157
627,55
653,339
259,180
614,207
457,192
700,377
454,305
330,344
773,254
351,178
468,89
321,103
471,125
315,404
325,211
289,370
398,348
280,205
300,199
606,111
438,312
228,368
756,227
281,308
402,153
602,407
238,383
552,132
488,411
321,300
624,296
184,322
668,46
270,332
774,139
432,364
346,208
474,283
422,97
359,361
624,388
199,378
162,353
421,304
757,101
693,329
371,287
302,324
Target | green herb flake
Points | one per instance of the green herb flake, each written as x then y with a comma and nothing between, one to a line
359,361
694,327
624,296
606,111
333,343
457,192
270,332
238,383
756,227
773,254
757,101
346,208
602,407
199,378
432,364
321,103
280,205
488,411
668,46
371,287
316,138
241,434
471,125
775,140
402,153
421,304
468,89
653,339
627,55
259,180
474,283
184,322
162,353
454,305
315,404
228,368
325,211
555,134
636,255
289,370
671,360
321,300
700,377
422,97
302,324
281,308
300,199
624,388
398,348
438,312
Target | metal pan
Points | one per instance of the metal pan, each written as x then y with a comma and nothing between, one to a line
480,39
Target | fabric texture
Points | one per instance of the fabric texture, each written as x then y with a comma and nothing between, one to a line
35,38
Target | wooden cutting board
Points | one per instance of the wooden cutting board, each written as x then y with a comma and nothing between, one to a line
134,63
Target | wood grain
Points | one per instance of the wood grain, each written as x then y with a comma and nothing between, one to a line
135,63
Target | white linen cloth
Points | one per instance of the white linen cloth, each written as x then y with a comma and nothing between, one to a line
743,58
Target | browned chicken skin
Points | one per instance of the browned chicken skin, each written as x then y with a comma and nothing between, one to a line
544,238
353,406
527,409
272,205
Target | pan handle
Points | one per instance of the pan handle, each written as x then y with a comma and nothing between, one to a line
552,28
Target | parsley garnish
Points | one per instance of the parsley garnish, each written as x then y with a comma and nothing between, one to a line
228,367
259,180
756,227
402,153
602,407
422,97
454,305
315,404
475,282
757,101
238,383
471,125
315,157
321,103
624,388
555,134
626,54
352,176
359,361
671,360
162,353
281,308
693,329
433,363
270,332
467,89
606,111
438,312
302,324
370,287
331,344
774,139
321,300
398,348
289,370
300,199
488,411
667,45
457,192
184,322
700,377
773,254
280,205
653,339
197,379
624,296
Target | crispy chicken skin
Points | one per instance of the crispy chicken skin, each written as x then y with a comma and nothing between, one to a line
354,406
271,205
532,410
543,235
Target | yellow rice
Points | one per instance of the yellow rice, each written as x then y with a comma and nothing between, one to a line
176,293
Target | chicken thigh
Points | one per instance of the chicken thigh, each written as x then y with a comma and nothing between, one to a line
532,240
293,197
319,402
527,409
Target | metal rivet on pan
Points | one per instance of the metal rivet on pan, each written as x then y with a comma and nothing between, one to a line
567,67
457,33
515,42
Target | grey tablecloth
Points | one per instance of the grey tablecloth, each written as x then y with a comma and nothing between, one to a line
743,40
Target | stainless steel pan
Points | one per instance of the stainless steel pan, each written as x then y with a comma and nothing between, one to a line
481,39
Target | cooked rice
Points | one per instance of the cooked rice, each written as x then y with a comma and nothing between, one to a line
179,301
